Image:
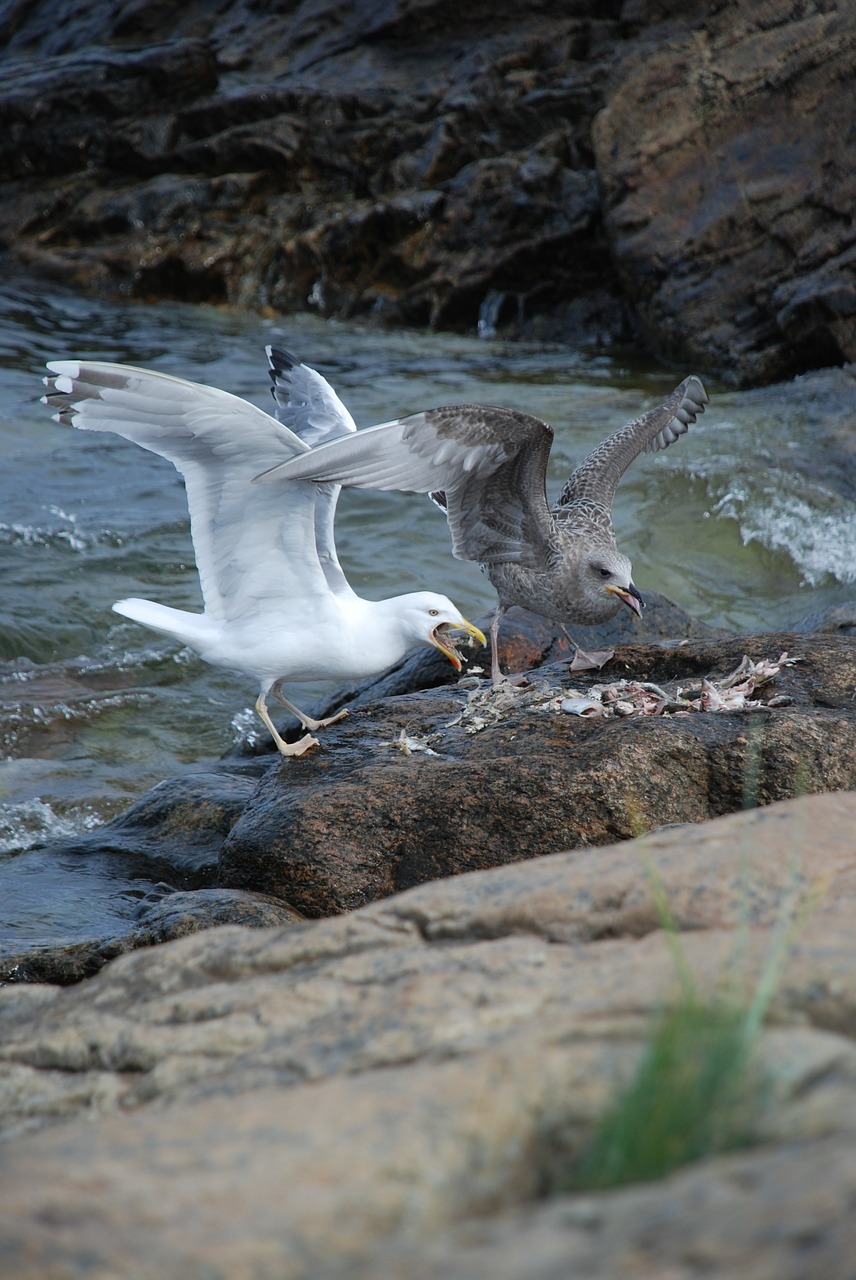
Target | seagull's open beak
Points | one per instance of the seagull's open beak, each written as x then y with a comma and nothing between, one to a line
444,639
629,596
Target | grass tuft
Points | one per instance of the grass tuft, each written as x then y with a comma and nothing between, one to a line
698,1089
695,1093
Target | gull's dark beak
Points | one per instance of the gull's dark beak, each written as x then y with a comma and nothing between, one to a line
629,596
442,637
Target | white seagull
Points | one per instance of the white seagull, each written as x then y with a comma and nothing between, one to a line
278,606
487,467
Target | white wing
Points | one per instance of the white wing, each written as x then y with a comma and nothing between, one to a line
308,406
251,549
305,401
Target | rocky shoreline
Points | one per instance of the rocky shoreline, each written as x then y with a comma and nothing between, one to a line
406,1085
373,1027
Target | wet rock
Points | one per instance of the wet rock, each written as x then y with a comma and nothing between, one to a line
408,791
837,618
565,173
162,853
304,157
175,831
173,916
179,914
425,780
79,93
423,1075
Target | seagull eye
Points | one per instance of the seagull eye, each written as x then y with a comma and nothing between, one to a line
433,613
605,573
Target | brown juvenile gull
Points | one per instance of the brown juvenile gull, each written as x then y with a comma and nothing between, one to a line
278,606
487,467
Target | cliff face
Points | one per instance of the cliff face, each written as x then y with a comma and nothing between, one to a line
580,171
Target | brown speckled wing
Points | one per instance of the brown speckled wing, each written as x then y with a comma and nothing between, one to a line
596,478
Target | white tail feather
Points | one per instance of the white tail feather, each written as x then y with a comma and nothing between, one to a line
187,628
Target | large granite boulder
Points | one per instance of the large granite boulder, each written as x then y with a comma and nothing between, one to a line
406,1090
429,785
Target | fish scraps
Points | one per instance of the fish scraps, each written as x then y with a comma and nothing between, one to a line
488,704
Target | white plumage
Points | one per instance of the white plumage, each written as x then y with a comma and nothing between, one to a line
278,606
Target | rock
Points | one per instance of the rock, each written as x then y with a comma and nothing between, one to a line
761,1212
179,914
167,842
559,173
408,791
719,157
404,1090
172,916
161,855
175,831
300,161
426,782
836,619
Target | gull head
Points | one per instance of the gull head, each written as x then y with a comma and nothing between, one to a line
603,583
429,618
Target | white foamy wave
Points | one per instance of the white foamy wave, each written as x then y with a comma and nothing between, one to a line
32,821
247,728
820,544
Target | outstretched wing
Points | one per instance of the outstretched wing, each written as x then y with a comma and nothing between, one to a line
308,406
490,463
252,545
596,478
305,401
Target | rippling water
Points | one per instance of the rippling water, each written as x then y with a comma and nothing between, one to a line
748,522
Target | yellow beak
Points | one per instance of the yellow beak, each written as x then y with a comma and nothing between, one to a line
627,595
446,644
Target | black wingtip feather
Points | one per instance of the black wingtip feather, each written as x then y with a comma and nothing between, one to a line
281,360
280,364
